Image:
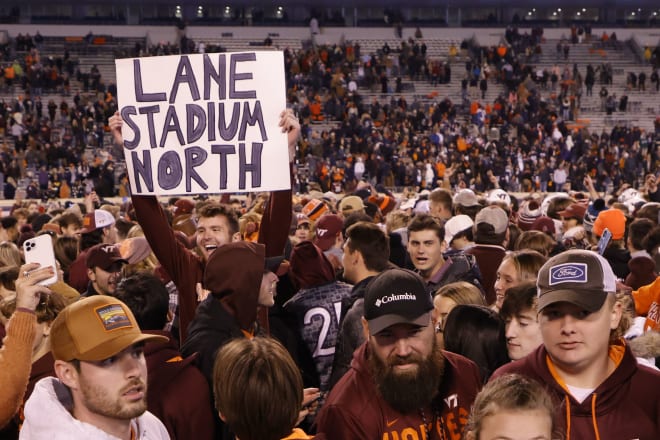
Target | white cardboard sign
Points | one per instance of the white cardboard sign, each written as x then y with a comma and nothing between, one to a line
204,123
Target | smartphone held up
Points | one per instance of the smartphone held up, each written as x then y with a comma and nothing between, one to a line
40,250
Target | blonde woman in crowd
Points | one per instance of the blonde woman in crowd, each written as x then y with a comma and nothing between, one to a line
449,296
516,267
10,254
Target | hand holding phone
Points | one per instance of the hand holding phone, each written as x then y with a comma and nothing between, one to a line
604,241
40,250
29,292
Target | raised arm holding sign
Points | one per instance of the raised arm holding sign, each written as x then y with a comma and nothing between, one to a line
219,227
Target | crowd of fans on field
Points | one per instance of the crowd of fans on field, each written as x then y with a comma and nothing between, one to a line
391,308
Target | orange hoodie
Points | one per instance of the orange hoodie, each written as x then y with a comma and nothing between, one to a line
647,302
15,362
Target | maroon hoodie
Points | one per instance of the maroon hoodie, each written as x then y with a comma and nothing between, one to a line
642,271
354,409
233,276
625,406
178,393
187,269
309,266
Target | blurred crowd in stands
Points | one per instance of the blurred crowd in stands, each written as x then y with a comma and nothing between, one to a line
527,136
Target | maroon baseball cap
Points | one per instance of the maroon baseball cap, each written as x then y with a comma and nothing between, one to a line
183,206
327,228
544,224
574,210
104,256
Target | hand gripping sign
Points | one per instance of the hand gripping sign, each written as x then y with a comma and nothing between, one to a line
204,123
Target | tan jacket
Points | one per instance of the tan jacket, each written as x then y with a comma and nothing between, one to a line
15,362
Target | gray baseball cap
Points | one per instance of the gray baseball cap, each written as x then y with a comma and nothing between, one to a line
579,277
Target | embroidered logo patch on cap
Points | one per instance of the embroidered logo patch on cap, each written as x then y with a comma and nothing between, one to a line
568,272
113,317
395,297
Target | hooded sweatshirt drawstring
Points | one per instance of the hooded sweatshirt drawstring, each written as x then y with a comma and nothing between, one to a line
594,421
568,417
593,415
596,410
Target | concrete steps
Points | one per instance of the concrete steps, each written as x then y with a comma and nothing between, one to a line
436,49
585,53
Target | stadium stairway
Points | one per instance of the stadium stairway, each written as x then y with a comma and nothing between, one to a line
643,106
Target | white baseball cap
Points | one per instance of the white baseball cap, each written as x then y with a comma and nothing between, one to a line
455,225
499,195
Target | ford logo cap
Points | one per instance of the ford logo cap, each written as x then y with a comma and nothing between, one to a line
580,277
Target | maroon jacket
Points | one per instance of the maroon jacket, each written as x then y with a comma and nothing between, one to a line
177,392
627,403
78,278
186,268
642,271
354,409
488,258
183,266
42,367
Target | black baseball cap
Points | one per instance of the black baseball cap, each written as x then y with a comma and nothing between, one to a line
396,296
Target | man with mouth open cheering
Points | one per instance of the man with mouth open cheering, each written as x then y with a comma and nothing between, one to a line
217,225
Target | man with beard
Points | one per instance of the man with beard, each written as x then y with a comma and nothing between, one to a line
101,387
401,384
